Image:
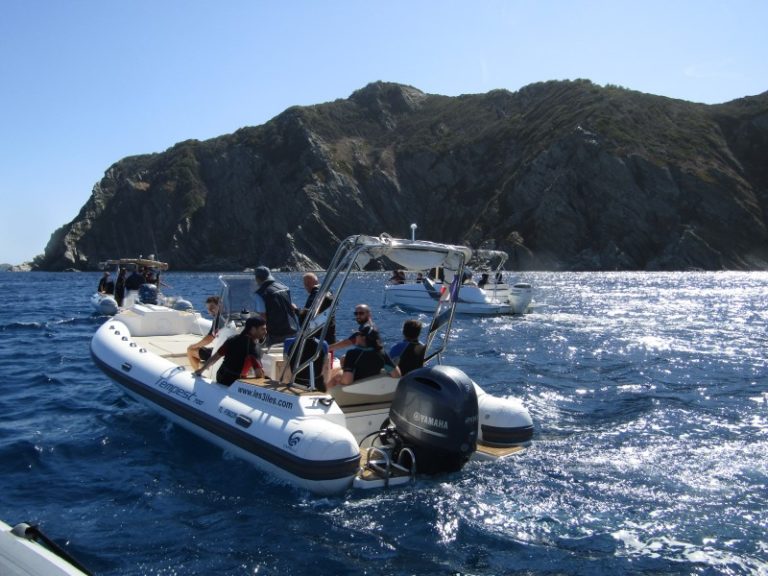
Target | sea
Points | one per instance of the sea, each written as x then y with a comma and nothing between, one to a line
649,394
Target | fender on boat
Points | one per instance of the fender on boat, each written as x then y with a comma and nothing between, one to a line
502,421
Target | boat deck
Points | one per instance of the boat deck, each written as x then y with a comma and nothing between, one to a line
174,348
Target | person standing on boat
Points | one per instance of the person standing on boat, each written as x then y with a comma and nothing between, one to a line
272,302
312,286
120,287
409,354
106,286
199,351
364,319
240,353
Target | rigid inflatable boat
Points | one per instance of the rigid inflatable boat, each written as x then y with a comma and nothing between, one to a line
26,551
105,303
379,431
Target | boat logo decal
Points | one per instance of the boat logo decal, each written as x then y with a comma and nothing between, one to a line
180,392
295,438
265,397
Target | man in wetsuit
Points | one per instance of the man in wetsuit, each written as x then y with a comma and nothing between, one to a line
240,352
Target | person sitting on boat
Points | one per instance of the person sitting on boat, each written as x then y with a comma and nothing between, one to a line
199,351
466,278
106,286
366,358
312,286
398,277
272,302
420,278
409,354
484,279
240,352
364,318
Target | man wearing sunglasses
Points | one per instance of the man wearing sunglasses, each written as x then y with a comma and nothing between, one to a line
364,320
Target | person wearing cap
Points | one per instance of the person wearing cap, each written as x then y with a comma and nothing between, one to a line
364,318
366,358
272,302
240,352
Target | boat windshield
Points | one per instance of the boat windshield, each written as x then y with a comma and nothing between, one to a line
236,297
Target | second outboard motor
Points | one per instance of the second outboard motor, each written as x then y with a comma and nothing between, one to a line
435,413
148,294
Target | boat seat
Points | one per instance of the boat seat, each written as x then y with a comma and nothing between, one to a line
363,393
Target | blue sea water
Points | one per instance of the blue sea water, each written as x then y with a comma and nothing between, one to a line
649,393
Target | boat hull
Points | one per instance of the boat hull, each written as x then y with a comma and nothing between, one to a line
293,437
23,557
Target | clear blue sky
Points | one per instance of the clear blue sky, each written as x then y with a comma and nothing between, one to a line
84,83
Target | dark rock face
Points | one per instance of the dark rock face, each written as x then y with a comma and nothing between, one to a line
562,175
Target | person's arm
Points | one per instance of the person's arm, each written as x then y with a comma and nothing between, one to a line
390,368
395,373
340,344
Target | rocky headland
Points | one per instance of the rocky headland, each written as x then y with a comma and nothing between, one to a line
563,175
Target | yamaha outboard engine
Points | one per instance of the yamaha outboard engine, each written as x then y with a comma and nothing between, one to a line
435,413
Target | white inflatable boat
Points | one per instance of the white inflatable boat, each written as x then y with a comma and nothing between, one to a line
375,432
106,305
26,551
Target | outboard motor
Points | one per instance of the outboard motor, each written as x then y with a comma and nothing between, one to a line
435,413
148,294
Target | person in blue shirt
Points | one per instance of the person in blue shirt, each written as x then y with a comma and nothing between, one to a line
409,354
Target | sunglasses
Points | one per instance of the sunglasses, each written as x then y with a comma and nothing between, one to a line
361,313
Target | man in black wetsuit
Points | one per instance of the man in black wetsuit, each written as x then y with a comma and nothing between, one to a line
240,352
272,302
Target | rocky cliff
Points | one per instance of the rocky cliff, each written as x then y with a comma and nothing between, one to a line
563,175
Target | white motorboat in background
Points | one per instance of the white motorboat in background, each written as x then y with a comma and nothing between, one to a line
26,551
492,297
150,293
376,432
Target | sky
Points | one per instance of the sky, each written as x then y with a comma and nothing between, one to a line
84,83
